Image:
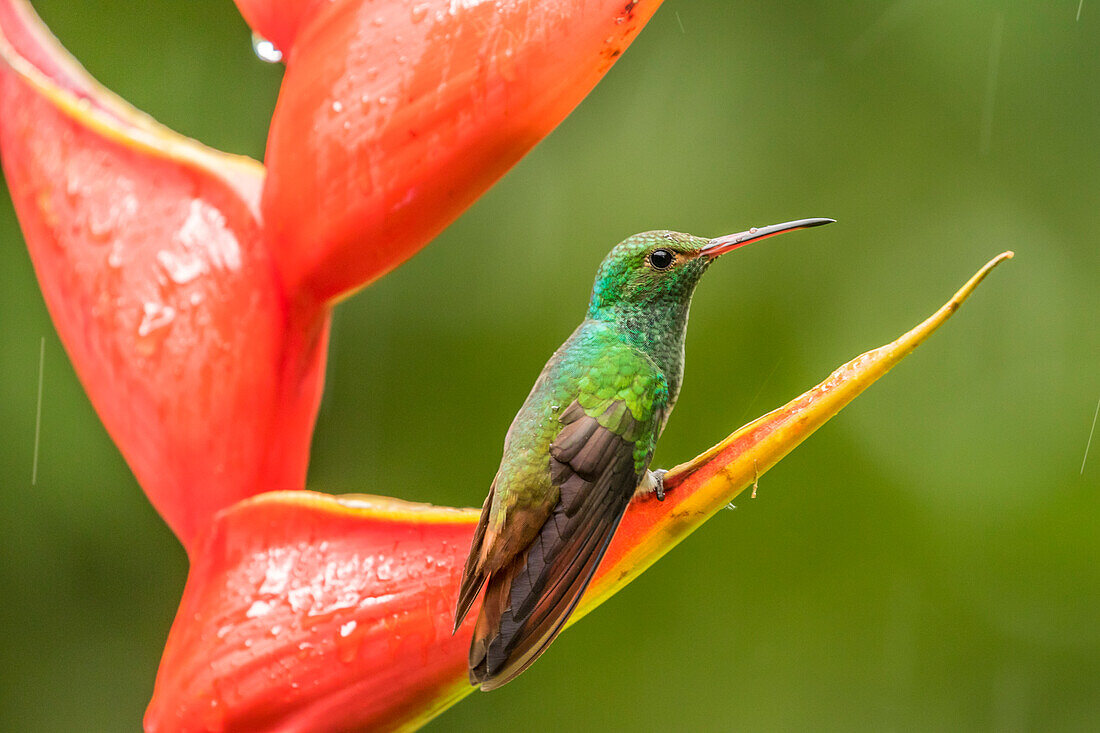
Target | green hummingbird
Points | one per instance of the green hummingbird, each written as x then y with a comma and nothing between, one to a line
580,447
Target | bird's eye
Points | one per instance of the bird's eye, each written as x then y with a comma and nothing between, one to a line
661,259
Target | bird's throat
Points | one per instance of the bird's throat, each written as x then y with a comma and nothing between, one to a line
657,329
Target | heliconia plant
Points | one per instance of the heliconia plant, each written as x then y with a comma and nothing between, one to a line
192,290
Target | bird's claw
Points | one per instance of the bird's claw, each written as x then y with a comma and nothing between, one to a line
652,483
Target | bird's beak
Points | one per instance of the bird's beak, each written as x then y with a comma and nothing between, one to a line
721,245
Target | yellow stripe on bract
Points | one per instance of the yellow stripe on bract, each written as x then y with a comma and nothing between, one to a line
824,401
30,22
367,506
119,122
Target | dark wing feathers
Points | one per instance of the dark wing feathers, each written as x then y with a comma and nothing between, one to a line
553,615
534,618
573,437
472,578
529,600
597,453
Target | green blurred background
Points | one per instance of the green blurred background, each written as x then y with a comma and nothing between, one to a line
928,560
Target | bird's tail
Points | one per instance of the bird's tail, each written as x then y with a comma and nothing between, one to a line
528,602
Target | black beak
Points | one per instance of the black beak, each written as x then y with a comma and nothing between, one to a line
730,242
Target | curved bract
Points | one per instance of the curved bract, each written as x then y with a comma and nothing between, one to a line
191,288
149,251
395,116
308,612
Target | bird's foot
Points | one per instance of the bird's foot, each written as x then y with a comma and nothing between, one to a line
653,483
659,479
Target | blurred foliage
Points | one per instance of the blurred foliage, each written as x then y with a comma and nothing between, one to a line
927,561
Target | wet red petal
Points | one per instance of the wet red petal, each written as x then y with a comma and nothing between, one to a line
305,612
395,116
148,251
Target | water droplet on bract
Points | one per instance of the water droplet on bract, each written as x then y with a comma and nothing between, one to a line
155,316
265,50
258,608
182,268
418,12
213,718
337,106
348,642
101,226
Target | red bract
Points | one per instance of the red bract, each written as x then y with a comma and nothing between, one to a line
191,291
149,251
395,116
307,612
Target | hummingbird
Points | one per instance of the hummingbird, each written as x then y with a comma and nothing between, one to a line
580,447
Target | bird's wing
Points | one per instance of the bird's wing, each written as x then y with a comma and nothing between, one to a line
596,462
472,577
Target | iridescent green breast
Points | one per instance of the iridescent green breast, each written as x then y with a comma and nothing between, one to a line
610,379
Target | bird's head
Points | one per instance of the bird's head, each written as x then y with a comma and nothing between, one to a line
662,268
